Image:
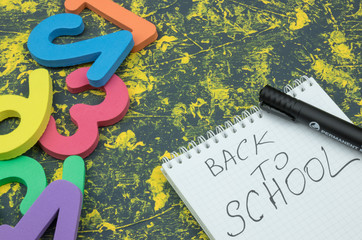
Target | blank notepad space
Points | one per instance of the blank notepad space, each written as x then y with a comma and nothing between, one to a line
274,179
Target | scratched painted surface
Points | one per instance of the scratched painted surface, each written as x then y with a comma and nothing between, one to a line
208,64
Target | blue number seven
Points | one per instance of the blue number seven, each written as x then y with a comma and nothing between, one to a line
107,52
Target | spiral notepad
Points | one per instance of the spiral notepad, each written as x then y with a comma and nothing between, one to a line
264,177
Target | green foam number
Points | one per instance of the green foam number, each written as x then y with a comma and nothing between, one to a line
27,171
74,171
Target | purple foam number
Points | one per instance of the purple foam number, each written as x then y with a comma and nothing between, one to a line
60,199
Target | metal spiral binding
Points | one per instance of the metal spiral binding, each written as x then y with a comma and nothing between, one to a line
221,131
296,83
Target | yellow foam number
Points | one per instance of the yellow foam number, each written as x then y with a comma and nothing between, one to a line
34,113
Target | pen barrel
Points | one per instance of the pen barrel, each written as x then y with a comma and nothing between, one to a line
330,125
279,103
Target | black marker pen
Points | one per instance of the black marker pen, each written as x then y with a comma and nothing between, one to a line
275,101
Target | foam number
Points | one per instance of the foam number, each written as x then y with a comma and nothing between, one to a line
61,200
88,118
34,113
29,172
74,171
107,51
143,31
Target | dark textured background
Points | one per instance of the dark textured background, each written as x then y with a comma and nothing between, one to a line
208,64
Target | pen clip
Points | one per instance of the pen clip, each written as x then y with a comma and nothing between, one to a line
275,111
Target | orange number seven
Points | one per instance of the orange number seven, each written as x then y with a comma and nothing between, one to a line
143,31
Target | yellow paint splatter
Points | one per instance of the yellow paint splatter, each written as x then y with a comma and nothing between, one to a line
332,75
12,52
138,7
198,10
61,128
165,42
125,140
265,1
266,19
100,21
165,101
4,189
141,82
19,5
196,106
259,65
219,93
337,41
98,93
150,225
62,73
22,74
93,219
359,12
135,90
357,115
5,87
240,90
302,20
186,58
275,2
89,164
52,7
58,174
166,154
63,107
186,217
157,182
109,226
200,236
179,115
14,188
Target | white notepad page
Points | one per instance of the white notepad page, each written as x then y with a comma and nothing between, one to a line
273,179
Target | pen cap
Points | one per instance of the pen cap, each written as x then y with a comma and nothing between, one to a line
273,100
